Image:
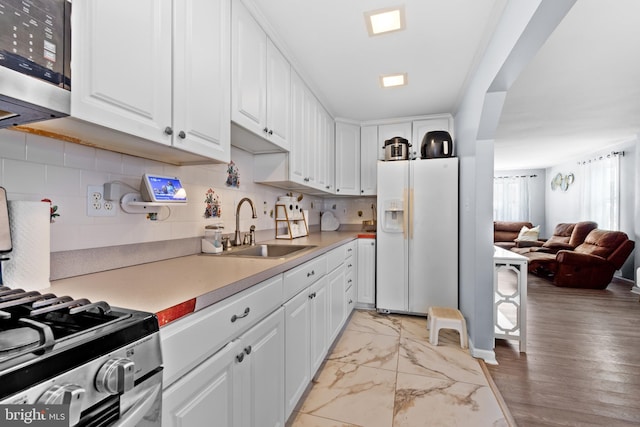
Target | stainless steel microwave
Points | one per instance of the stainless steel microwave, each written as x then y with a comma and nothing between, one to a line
35,41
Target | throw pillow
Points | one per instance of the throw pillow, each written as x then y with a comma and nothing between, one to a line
529,234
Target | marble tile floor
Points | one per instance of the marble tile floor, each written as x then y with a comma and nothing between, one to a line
383,372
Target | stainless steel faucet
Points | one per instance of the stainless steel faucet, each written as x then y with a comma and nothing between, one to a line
238,239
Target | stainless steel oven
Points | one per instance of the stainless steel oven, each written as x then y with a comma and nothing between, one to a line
103,364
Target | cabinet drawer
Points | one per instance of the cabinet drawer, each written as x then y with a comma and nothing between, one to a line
349,280
349,248
350,265
335,257
189,341
302,276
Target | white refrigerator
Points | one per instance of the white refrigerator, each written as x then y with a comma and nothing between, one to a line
417,235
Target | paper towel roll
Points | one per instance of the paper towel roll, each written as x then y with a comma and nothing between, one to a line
29,261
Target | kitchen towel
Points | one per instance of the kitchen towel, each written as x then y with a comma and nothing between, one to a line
29,261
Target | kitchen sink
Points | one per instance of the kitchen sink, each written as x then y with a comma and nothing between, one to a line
266,251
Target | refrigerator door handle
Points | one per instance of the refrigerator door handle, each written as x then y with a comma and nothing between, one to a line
411,218
405,218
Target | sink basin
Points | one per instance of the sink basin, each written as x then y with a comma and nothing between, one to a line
266,251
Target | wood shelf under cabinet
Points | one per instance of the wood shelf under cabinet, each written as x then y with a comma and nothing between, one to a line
296,223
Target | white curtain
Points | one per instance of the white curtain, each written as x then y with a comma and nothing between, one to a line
511,198
600,197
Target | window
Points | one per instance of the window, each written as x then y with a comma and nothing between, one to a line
600,197
511,198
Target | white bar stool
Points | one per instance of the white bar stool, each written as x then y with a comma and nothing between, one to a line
447,318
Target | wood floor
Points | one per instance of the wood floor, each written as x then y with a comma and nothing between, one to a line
582,366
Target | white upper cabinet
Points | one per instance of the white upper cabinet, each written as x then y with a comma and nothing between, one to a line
261,97
347,159
158,72
201,91
368,160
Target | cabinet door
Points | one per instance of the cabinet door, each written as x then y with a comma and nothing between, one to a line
368,160
260,376
325,151
310,141
366,272
201,77
336,287
319,323
278,97
394,129
122,66
297,160
204,394
297,349
347,159
248,71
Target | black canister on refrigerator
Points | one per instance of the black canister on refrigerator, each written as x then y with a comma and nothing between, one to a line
436,144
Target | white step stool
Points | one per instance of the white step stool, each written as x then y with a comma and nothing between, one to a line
447,318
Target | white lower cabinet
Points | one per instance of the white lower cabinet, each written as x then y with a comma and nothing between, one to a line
205,395
297,349
366,292
260,372
239,386
319,324
336,285
306,327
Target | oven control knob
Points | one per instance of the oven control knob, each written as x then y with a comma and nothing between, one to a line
116,376
67,394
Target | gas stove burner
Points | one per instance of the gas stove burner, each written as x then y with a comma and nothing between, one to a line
17,340
45,303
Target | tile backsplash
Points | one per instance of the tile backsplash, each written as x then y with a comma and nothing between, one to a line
34,167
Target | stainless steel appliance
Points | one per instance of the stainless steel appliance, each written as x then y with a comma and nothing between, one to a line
35,58
417,235
104,363
396,148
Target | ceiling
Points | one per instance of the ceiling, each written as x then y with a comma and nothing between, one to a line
579,94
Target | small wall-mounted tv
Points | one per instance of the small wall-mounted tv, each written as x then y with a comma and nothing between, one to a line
157,188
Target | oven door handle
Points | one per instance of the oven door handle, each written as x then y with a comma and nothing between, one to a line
145,400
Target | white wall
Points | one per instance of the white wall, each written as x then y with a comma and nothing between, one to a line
521,30
34,167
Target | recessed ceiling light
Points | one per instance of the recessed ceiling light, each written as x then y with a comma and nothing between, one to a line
385,20
393,80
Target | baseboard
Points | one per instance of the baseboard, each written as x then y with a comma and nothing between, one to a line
489,356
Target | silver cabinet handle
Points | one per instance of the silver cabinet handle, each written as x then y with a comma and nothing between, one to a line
265,130
168,130
270,132
247,350
236,316
182,135
311,274
240,357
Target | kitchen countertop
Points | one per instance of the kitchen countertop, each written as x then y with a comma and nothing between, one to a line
175,287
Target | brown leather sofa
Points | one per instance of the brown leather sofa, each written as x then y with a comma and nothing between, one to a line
505,233
590,265
565,236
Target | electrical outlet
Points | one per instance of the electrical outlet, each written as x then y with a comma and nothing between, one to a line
96,204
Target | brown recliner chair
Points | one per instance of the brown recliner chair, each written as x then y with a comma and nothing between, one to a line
592,263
